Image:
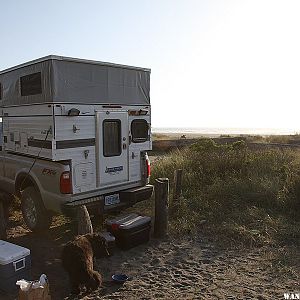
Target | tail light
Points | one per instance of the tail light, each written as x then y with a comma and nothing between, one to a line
65,183
148,168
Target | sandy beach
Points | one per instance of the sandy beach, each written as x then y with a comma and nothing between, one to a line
192,269
183,268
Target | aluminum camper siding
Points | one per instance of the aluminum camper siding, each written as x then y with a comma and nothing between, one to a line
25,126
28,135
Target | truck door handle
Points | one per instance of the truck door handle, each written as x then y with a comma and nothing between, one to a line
124,146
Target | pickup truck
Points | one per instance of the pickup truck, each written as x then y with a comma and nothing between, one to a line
40,185
75,132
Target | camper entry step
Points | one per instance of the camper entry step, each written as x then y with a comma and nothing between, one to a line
130,230
15,264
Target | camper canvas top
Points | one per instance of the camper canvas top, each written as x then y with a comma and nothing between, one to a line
57,79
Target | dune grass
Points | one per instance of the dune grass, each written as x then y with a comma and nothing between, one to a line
236,195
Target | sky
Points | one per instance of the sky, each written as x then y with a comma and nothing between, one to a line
215,63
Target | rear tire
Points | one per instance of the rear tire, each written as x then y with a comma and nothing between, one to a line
35,215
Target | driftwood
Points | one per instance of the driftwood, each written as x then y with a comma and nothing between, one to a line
161,207
84,221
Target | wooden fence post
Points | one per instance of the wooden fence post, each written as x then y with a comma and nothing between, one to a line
84,221
177,185
161,207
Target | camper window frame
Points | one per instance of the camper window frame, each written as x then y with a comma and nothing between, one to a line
118,121
36,91
139,139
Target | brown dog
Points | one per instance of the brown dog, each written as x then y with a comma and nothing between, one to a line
78,260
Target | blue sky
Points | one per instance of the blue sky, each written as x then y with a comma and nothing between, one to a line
215,63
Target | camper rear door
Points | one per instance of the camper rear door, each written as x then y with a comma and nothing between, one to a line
112,146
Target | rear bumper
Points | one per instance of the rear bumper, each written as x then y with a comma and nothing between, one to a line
128,198
136,194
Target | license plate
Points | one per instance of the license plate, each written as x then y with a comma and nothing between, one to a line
112,199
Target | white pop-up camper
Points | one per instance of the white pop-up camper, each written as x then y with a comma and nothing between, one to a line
74,132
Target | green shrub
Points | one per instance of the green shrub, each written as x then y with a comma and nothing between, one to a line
245,195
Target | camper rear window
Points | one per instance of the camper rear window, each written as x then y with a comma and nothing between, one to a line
139,131
31,84
111,138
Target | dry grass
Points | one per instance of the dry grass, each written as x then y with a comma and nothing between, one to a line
247,197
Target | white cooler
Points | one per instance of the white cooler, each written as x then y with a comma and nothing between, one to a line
15,264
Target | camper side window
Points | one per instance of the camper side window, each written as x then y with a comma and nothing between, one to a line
31,84
139,131
111,138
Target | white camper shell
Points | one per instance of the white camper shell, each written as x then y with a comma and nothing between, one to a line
92,116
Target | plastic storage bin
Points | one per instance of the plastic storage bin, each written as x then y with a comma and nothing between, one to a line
15,264
130,230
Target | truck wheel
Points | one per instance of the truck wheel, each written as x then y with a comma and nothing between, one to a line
3,235
35,215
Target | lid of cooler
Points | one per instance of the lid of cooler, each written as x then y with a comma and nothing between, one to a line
122,219
129,221
10,252
139,220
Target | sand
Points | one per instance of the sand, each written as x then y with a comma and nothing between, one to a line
192,269
189,268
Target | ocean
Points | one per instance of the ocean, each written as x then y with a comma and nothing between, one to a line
225,131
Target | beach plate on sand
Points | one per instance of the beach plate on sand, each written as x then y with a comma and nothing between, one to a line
120,278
